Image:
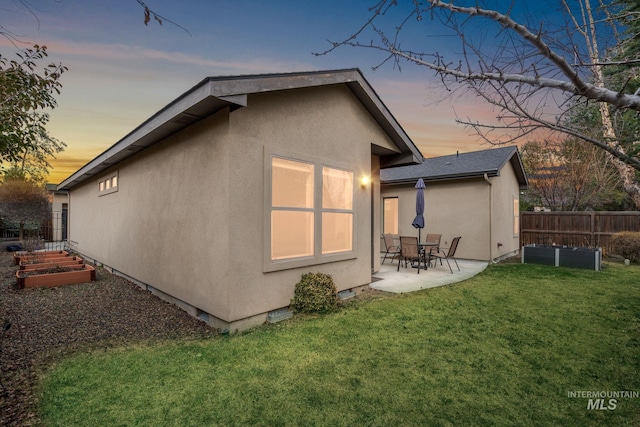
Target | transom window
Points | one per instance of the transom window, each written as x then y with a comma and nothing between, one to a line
312,215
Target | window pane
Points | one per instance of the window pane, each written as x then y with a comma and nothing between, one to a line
291,234
102,186
337,232
291,184
114,181
516,217
337,189
391,215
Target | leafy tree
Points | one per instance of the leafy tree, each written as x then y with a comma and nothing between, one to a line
26,92
532,73
23,201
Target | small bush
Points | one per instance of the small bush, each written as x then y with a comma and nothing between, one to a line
627,244
315,293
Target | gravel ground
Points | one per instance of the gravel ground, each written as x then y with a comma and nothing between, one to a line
39,325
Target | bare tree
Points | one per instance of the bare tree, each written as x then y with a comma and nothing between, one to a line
148,13
570,175
542,162
532,78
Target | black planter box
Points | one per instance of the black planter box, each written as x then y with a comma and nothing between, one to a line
561,256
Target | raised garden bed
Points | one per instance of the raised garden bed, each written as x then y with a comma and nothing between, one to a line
56,276
32,257
51,263
42,260
563,256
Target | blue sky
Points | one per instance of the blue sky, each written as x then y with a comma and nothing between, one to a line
121,72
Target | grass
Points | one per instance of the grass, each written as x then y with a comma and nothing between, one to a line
503,348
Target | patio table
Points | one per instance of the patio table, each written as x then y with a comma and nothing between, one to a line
423,247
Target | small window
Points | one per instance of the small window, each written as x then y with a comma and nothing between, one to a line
108,184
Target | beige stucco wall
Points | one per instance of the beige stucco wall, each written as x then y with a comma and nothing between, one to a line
480,213
189,214
166,225
505,190
455,208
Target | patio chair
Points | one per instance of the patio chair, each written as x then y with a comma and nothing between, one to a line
450,254
392,248
409,251
434,238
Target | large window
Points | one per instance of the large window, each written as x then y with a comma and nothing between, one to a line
312,215
390,215
337,210
292,209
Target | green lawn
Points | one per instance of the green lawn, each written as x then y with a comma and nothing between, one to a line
504,348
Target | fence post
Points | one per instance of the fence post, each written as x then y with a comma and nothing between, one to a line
593,229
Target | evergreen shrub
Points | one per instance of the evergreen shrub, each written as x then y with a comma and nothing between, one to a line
627,244
315,293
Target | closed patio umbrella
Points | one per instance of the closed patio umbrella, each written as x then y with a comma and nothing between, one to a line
418,221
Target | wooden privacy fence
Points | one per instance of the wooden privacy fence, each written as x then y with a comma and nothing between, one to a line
583,229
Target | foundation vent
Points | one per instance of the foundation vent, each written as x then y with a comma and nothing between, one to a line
346,294
279,315
203,315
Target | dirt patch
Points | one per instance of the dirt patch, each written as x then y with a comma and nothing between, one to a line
39,325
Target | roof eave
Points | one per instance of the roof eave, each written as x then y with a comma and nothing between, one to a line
452,177
191,107
215,93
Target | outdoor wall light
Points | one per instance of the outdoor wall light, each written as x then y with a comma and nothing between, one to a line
364,181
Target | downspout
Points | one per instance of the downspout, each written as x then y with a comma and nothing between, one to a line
488,181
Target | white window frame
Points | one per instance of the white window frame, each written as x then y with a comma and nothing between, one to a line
317,258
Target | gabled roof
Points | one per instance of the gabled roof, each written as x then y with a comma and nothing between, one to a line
215,93
458,166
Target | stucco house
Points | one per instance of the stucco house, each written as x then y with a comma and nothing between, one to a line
220,201
474,195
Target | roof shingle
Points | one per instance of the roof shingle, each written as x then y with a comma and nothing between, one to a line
458,166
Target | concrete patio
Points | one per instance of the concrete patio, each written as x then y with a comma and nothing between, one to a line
388,279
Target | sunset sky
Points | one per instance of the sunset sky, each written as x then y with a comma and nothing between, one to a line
121,72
